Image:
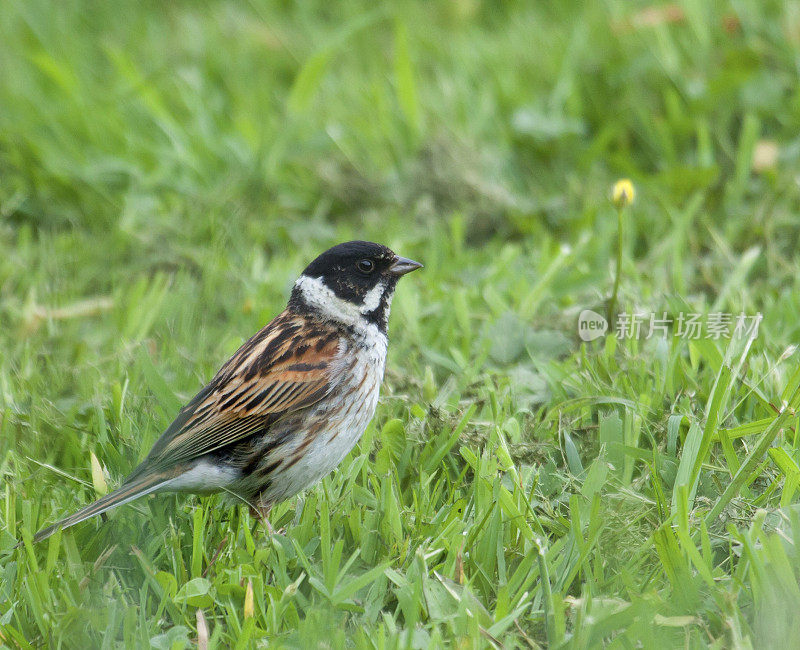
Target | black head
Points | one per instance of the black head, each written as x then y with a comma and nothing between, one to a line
352,280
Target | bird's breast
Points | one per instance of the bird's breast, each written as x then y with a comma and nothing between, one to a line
325,434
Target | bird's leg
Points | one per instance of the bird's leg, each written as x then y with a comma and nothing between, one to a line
261,511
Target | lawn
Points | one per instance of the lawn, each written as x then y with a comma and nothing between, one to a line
168,169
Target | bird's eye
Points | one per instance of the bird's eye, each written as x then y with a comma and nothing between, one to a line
365,266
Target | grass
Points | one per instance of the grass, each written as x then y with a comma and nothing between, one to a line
167,170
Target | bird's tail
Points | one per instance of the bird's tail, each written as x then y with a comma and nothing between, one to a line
127,492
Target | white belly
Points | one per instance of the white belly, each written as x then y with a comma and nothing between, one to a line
203,478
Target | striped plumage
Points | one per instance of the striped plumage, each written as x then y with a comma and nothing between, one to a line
291,402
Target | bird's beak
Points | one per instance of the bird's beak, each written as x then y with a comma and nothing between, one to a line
403,265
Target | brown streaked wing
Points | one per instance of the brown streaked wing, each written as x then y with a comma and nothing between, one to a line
285,367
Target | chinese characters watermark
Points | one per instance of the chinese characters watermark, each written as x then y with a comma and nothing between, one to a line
691,325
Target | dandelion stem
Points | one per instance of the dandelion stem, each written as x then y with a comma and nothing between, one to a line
612,303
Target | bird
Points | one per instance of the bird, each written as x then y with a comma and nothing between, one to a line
290,403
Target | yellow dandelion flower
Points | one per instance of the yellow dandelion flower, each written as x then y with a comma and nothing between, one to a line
623,193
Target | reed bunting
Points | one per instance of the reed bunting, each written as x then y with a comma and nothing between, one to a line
291,403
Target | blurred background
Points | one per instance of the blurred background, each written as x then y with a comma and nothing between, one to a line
167,169
278,123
